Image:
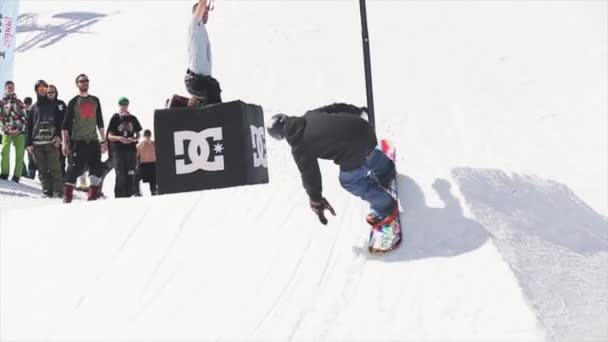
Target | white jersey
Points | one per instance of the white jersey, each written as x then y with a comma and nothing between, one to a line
199,48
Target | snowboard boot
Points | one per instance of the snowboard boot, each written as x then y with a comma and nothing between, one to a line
93,194
375,221
15,179
4,177
68,193
372,219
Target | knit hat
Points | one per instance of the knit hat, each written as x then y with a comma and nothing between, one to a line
123,101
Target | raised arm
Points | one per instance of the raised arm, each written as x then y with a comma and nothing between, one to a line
202,12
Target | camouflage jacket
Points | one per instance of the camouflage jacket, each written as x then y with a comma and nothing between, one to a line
12,114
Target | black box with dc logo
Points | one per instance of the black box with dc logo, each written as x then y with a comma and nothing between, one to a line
210,147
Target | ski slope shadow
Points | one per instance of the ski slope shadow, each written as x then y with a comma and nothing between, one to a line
433,232
18,189
556,245
44,35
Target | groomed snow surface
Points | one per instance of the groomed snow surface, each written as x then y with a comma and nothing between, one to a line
499,112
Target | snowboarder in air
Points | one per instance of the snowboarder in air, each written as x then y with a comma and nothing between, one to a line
339,133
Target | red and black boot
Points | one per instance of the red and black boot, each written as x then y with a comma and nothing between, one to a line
376,221
93,194
68,193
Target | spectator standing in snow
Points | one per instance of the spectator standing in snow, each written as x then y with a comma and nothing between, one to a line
13,120
43,141
82,129
53,95
200,84
123,134
30,170
146,157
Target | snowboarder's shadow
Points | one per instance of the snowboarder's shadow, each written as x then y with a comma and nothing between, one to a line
433,232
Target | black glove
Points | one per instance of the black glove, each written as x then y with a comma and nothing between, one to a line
319,208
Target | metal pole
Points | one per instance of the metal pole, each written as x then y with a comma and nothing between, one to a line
368,64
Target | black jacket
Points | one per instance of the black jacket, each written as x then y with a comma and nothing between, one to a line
336,132
44,122
61,107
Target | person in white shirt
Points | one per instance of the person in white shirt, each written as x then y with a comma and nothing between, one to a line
203,88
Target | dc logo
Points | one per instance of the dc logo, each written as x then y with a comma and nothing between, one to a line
199,150
258,142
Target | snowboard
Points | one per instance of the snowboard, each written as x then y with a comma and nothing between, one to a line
386,236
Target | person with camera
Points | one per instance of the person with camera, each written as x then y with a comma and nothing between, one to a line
123,134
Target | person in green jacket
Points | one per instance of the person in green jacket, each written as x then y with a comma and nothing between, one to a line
13,121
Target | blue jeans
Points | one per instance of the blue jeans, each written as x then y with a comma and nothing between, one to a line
369,182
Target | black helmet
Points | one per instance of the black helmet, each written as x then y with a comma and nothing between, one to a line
276,126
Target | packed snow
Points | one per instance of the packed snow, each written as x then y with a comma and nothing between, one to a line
499,111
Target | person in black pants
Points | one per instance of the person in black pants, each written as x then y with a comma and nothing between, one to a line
82,129
203,88
123,133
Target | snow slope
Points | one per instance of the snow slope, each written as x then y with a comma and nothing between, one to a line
499,111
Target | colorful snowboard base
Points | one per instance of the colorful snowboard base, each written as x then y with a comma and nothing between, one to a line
386,236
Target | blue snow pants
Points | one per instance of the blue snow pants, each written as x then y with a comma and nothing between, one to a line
369,182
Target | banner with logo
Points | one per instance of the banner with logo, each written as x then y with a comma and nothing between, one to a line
9,10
